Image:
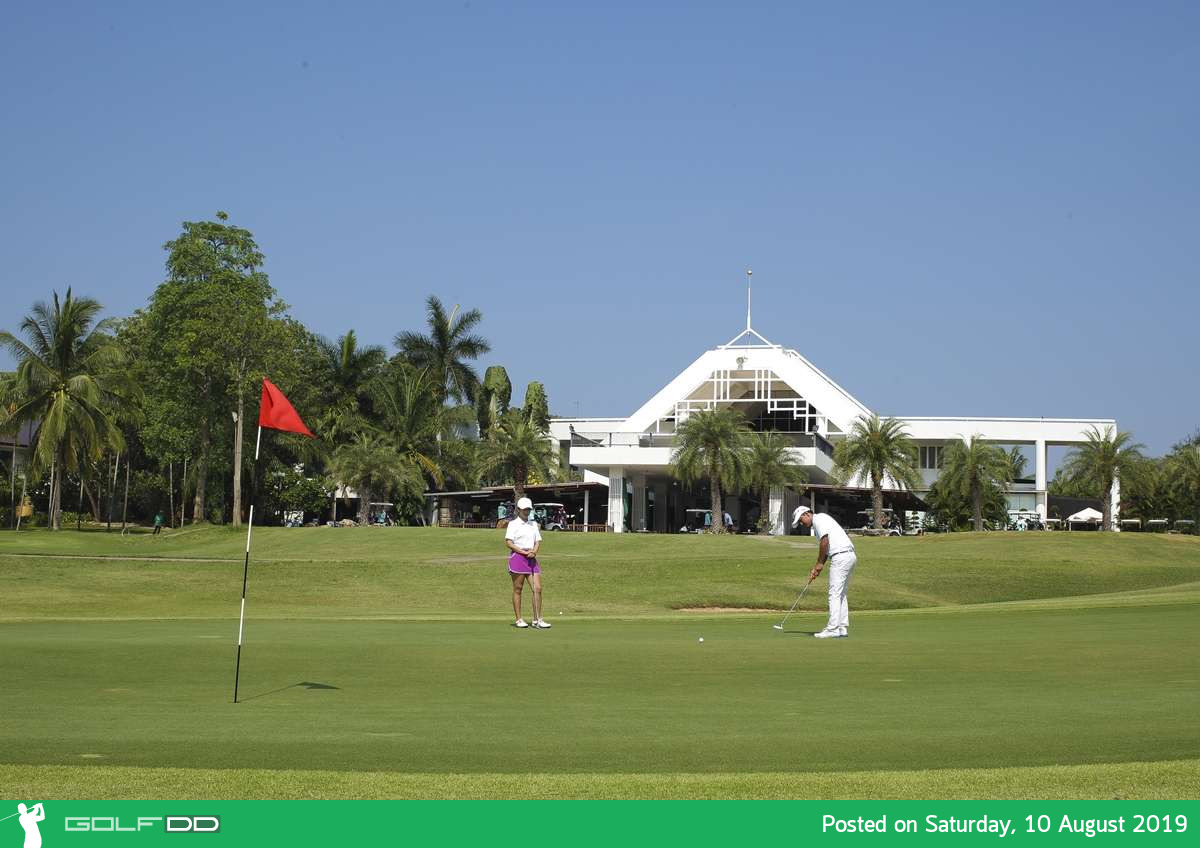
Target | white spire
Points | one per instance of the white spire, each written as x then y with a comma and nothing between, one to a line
749,329
749,274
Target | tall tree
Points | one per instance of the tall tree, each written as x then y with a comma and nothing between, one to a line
976,469
1184,468
207,332
877,449
447,350
536,407
411,416
68,385
1099,461
769,464
518,450
712,445
350,370
493,399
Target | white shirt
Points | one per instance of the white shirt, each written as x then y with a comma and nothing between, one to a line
523,534
824,525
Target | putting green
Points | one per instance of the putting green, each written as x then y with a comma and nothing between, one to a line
401,663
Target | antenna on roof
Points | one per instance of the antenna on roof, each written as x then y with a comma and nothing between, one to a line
749,274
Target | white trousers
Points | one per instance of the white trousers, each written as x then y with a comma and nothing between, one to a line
841,567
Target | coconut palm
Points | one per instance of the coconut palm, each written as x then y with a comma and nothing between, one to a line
373,467
712,445
1101,460
412,417
518,450
446,350
877,449
69,385
770,465
1017,463
1184,469
349,368
976,470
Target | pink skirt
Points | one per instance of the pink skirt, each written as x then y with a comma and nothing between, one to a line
520,564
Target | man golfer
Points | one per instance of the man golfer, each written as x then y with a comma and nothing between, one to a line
29,820
523,538
836,548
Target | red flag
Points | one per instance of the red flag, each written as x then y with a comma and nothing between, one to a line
277,413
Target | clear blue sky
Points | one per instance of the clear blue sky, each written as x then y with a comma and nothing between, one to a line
951,208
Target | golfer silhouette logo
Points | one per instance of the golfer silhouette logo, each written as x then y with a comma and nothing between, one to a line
29,820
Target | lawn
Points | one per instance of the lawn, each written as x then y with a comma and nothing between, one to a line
380,663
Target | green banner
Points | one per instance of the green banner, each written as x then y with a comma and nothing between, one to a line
575,823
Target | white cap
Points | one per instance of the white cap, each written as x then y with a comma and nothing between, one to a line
800,510
524,503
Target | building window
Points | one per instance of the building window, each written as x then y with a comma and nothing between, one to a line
931,456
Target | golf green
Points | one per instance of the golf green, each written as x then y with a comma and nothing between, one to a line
404,662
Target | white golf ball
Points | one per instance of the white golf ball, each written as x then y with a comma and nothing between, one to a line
701,638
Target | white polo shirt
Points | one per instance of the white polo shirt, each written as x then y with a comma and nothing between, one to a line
824,525
523,534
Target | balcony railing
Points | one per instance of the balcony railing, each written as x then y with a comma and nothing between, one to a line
667,440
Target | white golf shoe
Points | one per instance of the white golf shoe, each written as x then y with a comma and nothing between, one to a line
541,625
843,632
826,634
520,622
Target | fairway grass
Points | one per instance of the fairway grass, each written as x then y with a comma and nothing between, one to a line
1152,781
381,663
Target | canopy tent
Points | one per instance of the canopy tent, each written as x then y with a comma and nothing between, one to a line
1085,515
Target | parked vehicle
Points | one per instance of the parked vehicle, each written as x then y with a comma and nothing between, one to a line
550,516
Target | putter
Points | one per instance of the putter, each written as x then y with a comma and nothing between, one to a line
779,626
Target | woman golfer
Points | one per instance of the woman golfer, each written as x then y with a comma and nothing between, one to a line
523,538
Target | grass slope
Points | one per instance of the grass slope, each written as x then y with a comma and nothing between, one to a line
1033,665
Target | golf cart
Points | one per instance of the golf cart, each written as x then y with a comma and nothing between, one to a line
891,524
696,521
550,516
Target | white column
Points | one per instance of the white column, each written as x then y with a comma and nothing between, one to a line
775,512
616,499
587,503
1116,504
637,520
1039,465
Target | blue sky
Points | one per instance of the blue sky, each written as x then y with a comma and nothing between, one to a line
951,208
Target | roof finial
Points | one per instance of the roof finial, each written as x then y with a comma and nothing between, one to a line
749,274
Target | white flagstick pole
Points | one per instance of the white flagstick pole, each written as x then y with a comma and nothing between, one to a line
245,574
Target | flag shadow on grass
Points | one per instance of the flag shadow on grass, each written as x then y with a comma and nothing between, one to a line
307,684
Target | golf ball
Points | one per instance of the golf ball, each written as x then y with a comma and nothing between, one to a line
701,638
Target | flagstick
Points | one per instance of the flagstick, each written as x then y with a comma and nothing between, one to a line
245,574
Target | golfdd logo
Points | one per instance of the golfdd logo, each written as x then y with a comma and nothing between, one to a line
136,824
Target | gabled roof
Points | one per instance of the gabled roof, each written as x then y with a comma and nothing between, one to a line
837,404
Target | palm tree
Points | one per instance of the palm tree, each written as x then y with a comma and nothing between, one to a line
976,469
372,466
877,449
350,368
412,417
445,351
769,465
1017,462
1184,468
712,445
1101,460
68,384
518,450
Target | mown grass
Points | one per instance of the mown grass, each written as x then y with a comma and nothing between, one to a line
1031,665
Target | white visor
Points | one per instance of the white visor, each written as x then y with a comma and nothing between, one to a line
796,516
